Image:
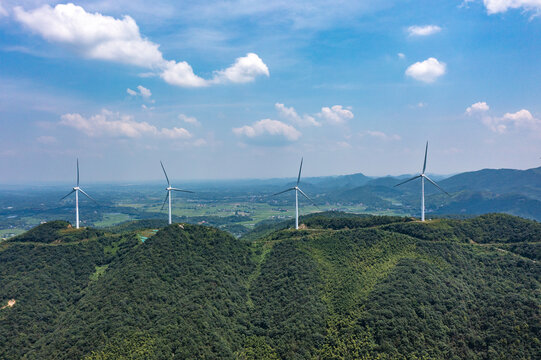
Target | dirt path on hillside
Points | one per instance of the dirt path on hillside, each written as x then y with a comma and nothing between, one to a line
10,304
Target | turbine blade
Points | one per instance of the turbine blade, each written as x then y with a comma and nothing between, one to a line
436,185
403,182
71,192
168,184
186,191
281,192
299,177
166,197
77,171
88,196
424,164
306,196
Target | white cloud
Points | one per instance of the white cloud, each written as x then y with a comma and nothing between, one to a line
97,36
382,136
401,56
426,71
336,114
523,119
501,6
245,69
478,107
181,74
520,120
494,124
189,119
291,115
46,140
144,91
268,127
175,133
423,30
112,124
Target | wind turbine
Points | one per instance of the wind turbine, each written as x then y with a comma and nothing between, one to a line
76,190
297,190
169,195
423,176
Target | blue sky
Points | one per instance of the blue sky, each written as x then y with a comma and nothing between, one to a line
243,89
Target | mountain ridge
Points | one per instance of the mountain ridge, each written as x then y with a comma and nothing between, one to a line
347,286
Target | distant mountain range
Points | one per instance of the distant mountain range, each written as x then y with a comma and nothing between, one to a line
516,192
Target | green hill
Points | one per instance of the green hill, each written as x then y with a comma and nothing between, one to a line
343,287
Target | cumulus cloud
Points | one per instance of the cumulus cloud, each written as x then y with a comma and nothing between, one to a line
382,136
97,36
245,69
335,114
268,127
94,35
189,119
520,120
112,124
523,119
181,74
401,56
501,6
423,30
478,107
291,115
426,71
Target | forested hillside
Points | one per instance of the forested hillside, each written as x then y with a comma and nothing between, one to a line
343,287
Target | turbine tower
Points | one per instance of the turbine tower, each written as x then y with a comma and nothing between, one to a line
76,190
423,176
169,195
297,191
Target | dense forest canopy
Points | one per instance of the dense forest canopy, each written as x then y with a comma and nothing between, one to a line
343,287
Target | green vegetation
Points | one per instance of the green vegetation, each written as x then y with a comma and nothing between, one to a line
56,232
344,287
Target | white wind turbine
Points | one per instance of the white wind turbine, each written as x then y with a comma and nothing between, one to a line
76,190
169,189
297,190
423,176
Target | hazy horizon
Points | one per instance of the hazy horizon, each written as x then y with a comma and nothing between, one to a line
157,181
